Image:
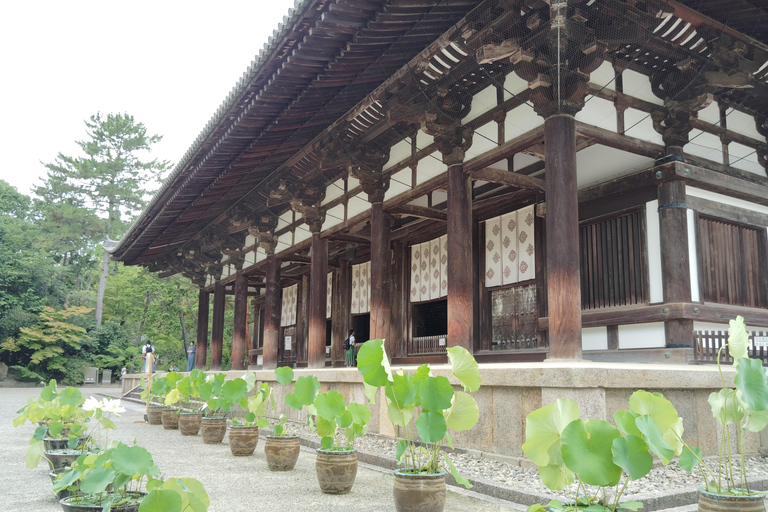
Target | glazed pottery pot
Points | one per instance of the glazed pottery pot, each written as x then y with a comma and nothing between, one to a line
336,470
712,502
189,423
170,419
53,474
213,430
419,492
282,452
54,443
71,504
155,414
243,440
62,458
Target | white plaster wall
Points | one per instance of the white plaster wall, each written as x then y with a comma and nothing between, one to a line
333,217
639,124
333,191
358,204
249,240
604,76
704,145
639,86
742,123
423,139
352,183
653,243
597,164
521,120
594,338
398,153
301,233
513,85
260,255
250,259
693,262
720,198
598,112
710,114
429,167
398,183
484,140
482,102
744,158
708,326
642,335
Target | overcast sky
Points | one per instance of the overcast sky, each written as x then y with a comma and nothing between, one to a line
170,64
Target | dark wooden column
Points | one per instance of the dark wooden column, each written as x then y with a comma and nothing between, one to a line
241,317
398,329
201,350
342,305
317,301
461,294
217,329
675,263
562,223
272,307
302,321
381,266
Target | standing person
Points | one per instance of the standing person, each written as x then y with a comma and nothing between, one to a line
148,349
349,347
123,373
191,350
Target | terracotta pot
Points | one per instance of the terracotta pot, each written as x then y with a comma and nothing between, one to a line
243,440
213,430
170,419
282,452
712,502
336,470
155,414
419,492
189,423
62,458
70,504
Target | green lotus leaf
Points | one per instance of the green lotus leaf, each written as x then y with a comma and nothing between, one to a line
67,479
361,414
370,392
658,408
345,420
435,393
330,405
630,505
674,436
402,446
262,423
293,402
234,390
399,416
71,397
586,449
738,340
556,476
284,375
373,364
49,392
655,439
306,388
403,389
250,379
161,500
132,460
193,495
726,406
631,454
431,426
756,421
34,454
750,380
543,428
690,458
97,480
184,387
625,421
421,373
172,397
464,368
456,475
463,413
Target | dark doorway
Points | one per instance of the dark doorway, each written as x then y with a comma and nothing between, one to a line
430,319
362,326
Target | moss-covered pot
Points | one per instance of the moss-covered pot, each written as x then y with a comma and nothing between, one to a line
71,504
155,414
712,502
170,419
282,452
419,492
336,470
189,423
213,430
243,440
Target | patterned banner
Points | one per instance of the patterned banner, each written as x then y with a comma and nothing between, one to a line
429,279
510,252
288,313
361,290
329,296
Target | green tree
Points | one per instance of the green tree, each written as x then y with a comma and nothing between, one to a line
109,181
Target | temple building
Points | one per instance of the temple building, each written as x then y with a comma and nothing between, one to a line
528,179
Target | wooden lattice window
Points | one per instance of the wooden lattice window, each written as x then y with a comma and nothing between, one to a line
612,261
732,263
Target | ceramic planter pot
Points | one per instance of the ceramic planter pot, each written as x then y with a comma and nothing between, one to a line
54,443
419,492
155,414
170,419
336,470
62,458
71,504
189,423
282,452
712,502
64,493
243,440
213,430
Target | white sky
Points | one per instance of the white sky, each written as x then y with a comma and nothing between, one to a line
170,64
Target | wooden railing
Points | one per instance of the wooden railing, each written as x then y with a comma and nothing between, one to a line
707,343
428,345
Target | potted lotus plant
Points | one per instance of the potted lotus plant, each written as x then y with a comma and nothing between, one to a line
154,395
248,417
54,413
744,407
187,394
423,408
169,416
338,424
282,449
600,457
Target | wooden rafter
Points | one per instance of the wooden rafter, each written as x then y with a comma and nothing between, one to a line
510,179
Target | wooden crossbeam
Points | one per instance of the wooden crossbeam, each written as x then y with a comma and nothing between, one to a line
345,237
510,179
420,211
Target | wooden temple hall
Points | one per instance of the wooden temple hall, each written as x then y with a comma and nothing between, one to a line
529,179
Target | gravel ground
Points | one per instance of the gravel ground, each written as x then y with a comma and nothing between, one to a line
234,484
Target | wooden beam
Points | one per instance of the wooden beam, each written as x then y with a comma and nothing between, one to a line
217,329
420,211
505,150
201,350
510,179
346,237
240,320
618,141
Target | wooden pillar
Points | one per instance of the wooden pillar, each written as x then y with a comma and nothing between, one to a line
563,282
317,301
675,265
201,350
398,328
302,321
217,329
272,307
342,316
461,293
241,317
381,276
